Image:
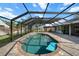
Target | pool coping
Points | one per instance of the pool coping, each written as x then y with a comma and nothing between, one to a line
22,52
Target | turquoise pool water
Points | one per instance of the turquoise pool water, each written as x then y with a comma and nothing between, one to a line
39,44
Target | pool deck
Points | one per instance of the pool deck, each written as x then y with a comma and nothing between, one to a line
69,45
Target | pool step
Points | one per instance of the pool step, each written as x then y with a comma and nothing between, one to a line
52,46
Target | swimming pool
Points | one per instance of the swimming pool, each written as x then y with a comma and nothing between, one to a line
39,44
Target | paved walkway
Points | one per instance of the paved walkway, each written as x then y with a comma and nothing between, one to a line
69,45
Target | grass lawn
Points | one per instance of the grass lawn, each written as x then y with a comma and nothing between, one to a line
3,37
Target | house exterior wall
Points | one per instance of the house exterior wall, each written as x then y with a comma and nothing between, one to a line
37,27
3,30
73,31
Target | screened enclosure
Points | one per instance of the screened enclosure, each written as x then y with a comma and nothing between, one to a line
20,17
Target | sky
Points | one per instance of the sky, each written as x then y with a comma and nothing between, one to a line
11,10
